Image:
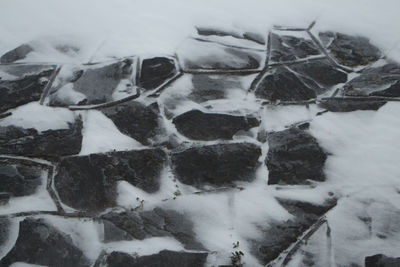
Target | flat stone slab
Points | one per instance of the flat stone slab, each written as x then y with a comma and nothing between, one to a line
216,165
89,182
198,125
347,105
155,71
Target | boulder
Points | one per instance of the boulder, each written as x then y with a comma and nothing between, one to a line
346,105
289,48
164,258
136,120
380,260
40,243
89,182
198,125
350,50
294,157
17,53
155,71
24,89
216,165
19,180
282,84
129,225
278,236
51,143
379,81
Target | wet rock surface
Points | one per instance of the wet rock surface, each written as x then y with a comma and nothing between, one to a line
216,165
95,176
155,71
42,244
46,144
145,224
198,125
164,258
294,157
380,260
19,180
136,120
350,50
23,89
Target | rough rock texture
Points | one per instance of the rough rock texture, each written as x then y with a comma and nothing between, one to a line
145,224
198,125
136,120
380,81
89,182
164,258
17,53
294,156
346,105
24,89
216,165
155,71
210,87
282,84
98,84
18,179
4,231
322,72
380,260
280,235
289,48
349,50
45,144
40,243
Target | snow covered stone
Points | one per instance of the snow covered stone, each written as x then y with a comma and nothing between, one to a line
278,236
379,81
89,182
41,243
289,48
216,165
164,258
198,125
26,86
347,105
18,179
283,84
155,71
52,143
129,225
17,53
136,120
294,157
349,50
380,260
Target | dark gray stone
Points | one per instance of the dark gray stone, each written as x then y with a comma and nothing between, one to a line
19,180
98,84
128,225
347,105
45,144
280,235
88,182
349,50
282,84
322,72
380,81
136,120
380,260
164,258
5,225
216,165
16,54
294,157
198,125
155,71
210,87
40,243
25,89
288,48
